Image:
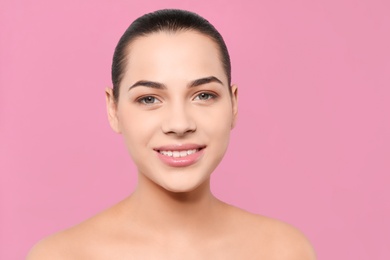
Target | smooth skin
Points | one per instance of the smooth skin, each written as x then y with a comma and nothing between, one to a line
175,92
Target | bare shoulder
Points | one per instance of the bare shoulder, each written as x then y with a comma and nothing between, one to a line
286,241
274,239
52,247
72,243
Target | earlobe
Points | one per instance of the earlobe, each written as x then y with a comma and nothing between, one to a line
111,105
234,104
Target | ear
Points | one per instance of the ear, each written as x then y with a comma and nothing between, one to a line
112,110
234,104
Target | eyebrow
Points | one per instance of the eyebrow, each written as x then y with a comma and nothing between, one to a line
157,85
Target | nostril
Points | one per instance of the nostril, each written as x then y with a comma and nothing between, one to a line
179,130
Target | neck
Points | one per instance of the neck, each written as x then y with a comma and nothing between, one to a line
184,211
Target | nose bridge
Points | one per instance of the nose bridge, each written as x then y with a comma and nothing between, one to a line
178,118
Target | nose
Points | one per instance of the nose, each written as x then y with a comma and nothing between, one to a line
178,121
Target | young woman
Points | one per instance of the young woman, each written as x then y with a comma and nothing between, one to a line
174,104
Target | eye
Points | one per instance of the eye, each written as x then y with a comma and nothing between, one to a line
205,96
148,100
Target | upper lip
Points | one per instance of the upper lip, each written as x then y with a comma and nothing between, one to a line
179,147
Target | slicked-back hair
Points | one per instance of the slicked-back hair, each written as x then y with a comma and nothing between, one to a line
166,20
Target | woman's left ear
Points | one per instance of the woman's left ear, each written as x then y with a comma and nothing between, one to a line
234,104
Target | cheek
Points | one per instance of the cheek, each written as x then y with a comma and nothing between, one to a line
217,123
222,134
137,129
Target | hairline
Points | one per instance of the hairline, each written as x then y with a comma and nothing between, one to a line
127,49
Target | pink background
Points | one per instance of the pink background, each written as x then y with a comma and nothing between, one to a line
312,142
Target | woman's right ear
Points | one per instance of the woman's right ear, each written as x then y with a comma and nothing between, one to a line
112,110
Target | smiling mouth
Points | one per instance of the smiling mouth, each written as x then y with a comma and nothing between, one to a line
177,154
180,155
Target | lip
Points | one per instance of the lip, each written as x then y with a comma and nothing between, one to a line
179,147
180,161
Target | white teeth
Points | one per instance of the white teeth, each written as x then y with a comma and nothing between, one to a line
177,154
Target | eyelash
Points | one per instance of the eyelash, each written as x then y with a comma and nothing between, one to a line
210,95
142,100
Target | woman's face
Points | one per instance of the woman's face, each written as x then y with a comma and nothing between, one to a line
174,109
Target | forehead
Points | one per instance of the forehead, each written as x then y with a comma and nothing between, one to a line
165,56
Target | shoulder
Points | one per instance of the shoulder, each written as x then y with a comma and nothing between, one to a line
53,247
84,241
284,240
72,243
273,239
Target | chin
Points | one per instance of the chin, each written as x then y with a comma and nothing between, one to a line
184,185
178,190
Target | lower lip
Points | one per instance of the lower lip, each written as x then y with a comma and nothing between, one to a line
181,161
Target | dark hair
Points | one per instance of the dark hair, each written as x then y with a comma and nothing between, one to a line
170,20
